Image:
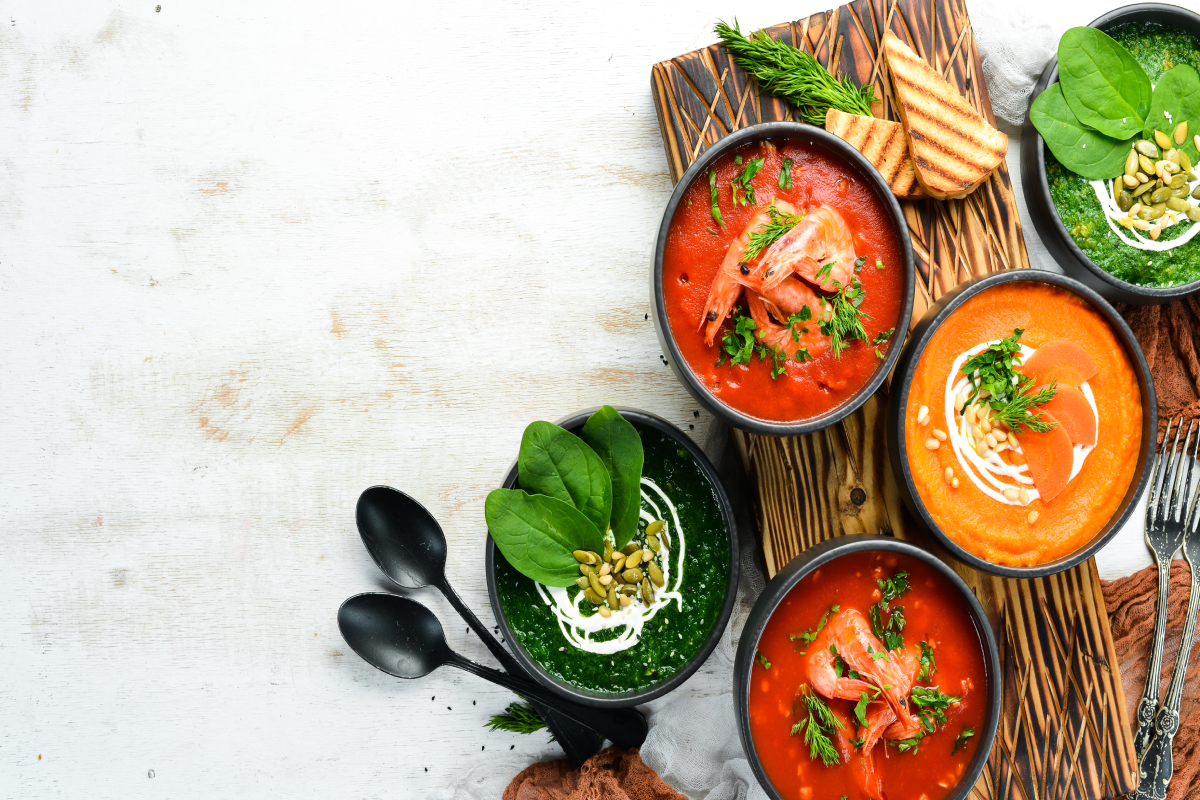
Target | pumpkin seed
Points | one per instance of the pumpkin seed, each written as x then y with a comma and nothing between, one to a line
634,558
1146,148
1131,163
587,569
656,575
1178,180
647,591
1175,204
593,598
633,575
1169,167
586,557
1146,164
652,540
629,548
618,562
1185,162
1193,213
1160,195
1196,193
1124,200
1156,211
1181,191
1142,189
582,583
654,527
608,551
1181,132
597,587
627,589
1172,155
612,599
1162,140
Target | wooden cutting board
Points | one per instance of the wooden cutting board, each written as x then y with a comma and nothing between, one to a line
1064,730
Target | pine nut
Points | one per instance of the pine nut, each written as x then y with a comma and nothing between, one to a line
1140,224
1012,441
1011,494
999,434
975,429
1134,209
970,415
624,600
954,483
604,612
949,474
1000,448
1033,515
932,444
1155,231
1024,495
922,415
940,435
605,569
981,449
990,439
985,425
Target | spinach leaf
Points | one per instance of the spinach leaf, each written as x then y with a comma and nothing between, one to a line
538,534
1103,84
1081,150
619,446
557,463
1177,93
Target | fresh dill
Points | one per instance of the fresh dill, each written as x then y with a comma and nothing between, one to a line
842,320
743,181
762,660
961,741
818,726
994,371
795,75
779,223
517,718
785,174
928,664
712,194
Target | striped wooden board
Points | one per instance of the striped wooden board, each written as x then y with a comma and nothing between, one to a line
1064,731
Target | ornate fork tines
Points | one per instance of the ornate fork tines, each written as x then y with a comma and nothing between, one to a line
1164,535
1155,761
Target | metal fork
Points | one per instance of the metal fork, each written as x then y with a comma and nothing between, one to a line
1164,535
1155,761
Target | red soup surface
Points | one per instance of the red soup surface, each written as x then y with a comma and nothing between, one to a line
697,245
933,674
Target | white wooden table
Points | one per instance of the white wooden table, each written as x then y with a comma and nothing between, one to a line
256,258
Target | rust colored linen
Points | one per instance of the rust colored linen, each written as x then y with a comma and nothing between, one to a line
1170,338
614,774
1130,603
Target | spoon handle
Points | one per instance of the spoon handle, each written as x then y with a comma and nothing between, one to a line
579,743
624,727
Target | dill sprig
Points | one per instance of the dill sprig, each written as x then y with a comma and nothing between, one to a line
994,371
517,718
769,232
795,75
817,727
1018,412
842,321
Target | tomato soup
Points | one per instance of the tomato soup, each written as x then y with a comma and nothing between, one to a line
1014,495
920,647
697,245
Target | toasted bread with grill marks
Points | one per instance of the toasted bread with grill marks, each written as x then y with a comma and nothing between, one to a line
953,147
884,143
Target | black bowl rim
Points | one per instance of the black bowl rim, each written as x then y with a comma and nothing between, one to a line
724,412
919,339
1152,294
671,682
800,567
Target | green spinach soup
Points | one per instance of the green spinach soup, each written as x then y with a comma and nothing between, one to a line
682,542
1146,210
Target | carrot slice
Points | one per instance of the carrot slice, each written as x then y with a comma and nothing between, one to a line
1060,360
1073,412
1049,457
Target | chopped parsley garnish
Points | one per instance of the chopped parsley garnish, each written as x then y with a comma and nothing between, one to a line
1008,390
818,726
858,263
876,655
809,636
883,336
931,705
769,232
741,344
928,665
712,194
878,264
742,181
762,660
907,745
888,632
894,586
860,709
961,741
841,320
785,174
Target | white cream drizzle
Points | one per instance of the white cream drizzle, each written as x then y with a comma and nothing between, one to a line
578,629
992,468
1113,212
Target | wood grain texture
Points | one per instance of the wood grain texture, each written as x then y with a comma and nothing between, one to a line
1064,730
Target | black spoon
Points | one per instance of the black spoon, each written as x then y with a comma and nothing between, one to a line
409,547
403,638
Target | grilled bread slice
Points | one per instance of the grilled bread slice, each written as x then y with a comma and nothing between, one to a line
884,143
953,146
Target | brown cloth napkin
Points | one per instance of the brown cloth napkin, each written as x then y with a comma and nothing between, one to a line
1170,338
614,774
1130,603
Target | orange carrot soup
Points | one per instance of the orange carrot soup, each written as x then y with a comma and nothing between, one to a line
869,683
1023,424
783,278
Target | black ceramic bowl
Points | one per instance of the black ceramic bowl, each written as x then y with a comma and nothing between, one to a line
919,338
1037,191
806,563
858,162
623,699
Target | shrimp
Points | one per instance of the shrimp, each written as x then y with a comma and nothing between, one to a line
859,648
821,672
727,286
820,249
788,340
862,762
